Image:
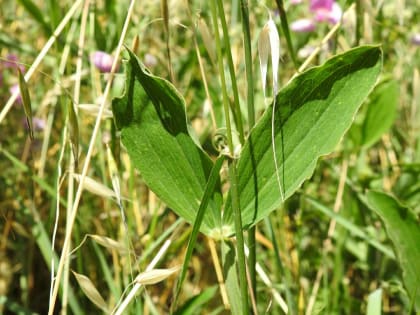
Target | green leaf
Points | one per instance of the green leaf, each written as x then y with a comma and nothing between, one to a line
381,112
152,119
195,304
403,229
214,175
312,114
26,101
350,226
374,305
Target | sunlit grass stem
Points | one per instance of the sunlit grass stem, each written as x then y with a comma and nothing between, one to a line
286,31
232,169
251,122
78,196
236,104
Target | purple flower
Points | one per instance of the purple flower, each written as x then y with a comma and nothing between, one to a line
15,89
149,60
321,11
332,15
38,124
303,25
415,39
102,60
12,62
317,5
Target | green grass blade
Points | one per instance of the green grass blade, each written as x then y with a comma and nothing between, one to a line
351,227
211,184
194,305
26,101
403,229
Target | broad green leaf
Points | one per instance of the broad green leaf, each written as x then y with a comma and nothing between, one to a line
381,112
230,275
152,119
403,229
312,114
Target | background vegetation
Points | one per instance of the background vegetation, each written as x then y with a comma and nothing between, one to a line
326,250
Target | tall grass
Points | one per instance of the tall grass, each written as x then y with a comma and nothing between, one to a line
82,233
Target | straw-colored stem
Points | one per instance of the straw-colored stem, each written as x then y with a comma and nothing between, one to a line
40,57
78,196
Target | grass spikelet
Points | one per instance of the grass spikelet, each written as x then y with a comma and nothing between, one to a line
155,275
95,187
90,291
269,43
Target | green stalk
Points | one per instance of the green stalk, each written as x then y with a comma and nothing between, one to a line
222,76
287,278
251,121
236,106
286,32
232,169
239,236
359,21
248,63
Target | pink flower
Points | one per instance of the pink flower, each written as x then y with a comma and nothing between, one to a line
322,11
15,89
317,5
12,62
303,25
149,60
415,39
38,124
102,60
332,15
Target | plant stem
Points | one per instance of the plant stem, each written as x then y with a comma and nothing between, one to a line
359,21
251,121
239,236
286,32
232,168
236,105
222,76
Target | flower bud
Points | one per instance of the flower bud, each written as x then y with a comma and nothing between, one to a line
102,60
